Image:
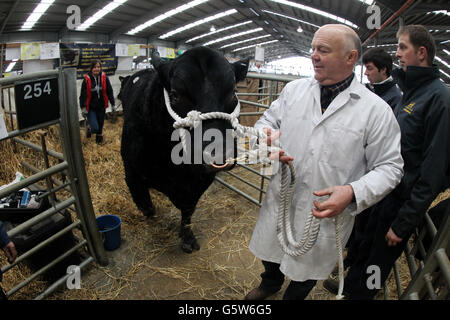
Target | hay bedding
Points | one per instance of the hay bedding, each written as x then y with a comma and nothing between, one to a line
150,264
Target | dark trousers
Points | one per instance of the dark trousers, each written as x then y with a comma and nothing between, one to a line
273,278
96,120
374,251
358,233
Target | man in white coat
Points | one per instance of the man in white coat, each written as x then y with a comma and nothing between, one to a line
344,143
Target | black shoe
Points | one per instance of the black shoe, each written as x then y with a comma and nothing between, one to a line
258,294
99,139
331,285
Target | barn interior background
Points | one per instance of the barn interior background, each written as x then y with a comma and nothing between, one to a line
41,35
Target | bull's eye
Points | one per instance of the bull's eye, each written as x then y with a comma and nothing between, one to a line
173,96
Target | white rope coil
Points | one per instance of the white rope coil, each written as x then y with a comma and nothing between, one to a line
285,232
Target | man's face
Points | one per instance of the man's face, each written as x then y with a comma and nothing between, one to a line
407,53
328,57
373,74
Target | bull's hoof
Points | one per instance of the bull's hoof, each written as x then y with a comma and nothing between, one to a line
189,247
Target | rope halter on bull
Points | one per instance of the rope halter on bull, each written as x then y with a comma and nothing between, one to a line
284,229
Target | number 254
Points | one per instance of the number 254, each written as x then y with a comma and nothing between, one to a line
36,90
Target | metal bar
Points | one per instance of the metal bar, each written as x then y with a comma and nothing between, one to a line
48,180
28,76
16,133
41,245
430,225
70,131
54,190
243,114
32,179
413,296
238,191
397,280
254,104
253,170
254,94
272,77
61,281
444,263
42,216
36,170
411,263
44,269
33,146
246,182
429,286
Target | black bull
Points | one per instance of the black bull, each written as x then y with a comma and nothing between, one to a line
201,79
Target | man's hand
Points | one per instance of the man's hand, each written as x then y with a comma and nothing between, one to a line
84,112
10,251
339,198
280,155
392,239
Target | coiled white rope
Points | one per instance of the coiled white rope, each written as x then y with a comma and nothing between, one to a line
284,229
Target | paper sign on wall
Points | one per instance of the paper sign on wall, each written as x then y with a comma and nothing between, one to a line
134,50
121,50
49,51
29,51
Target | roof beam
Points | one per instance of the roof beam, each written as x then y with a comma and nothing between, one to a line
13,8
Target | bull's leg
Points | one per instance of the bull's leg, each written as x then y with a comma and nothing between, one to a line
141,196
189,242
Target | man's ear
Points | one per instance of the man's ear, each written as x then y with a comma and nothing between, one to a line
423,53
240,69
353,56
162,68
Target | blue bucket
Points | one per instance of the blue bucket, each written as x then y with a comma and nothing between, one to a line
109,227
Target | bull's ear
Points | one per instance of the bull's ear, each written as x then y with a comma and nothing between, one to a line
240,69
121,78
162,68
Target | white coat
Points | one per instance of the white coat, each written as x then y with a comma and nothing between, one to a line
356,141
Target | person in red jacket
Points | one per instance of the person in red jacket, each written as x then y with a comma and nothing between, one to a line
96,91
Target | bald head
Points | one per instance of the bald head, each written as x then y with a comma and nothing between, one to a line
348,36
336,49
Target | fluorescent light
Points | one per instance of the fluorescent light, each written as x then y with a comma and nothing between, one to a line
442,61
38,11
233,36
198,22
445,73
316,11
254,45
166,15
291,18
100,14
11,65
242,41
218,30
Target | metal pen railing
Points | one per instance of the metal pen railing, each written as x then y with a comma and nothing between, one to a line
70,164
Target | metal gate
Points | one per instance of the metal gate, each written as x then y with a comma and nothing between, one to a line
430,275
70,164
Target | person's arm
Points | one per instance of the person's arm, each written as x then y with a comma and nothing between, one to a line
433,170
7,245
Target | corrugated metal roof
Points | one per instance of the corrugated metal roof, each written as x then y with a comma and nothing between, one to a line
278,20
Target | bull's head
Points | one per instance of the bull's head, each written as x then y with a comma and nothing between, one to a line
123,81
201,79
